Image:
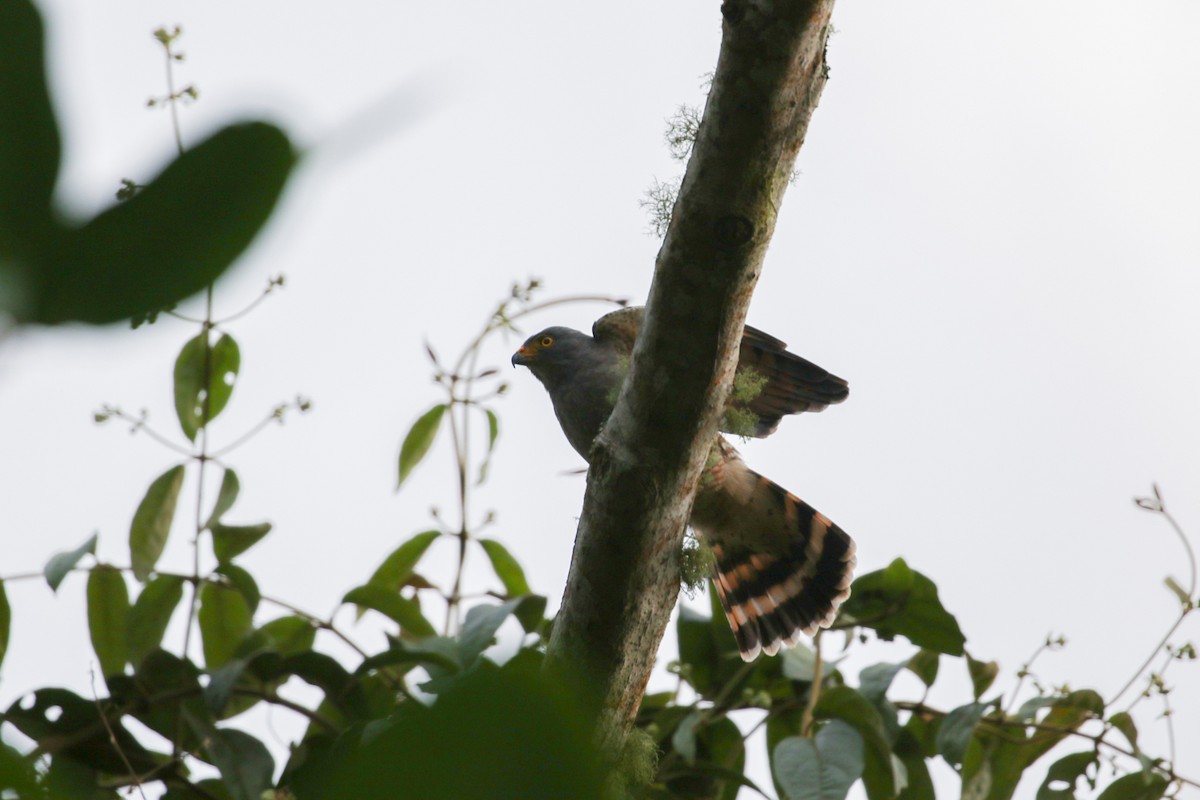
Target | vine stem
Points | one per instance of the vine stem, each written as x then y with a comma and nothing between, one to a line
1097,740
1157,506
814,688
460,388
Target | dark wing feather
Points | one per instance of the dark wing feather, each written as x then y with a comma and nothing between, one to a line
619,329
792,384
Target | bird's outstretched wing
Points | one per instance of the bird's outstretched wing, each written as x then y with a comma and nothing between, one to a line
770,382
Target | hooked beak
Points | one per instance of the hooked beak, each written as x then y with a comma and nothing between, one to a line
522,357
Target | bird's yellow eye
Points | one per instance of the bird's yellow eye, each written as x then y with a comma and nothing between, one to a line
547,341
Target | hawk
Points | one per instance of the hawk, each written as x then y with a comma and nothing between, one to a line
782,568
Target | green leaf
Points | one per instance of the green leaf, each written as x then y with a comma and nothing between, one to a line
5,621
506,568
1002,761
1030,707
59,716
823,768
288,635
200,380
233,540
875,680
174,237
853,708
150,615
925,666
956,729
479,629
918,784
493,432
226,497
418,441
1136,786
152,522
244,762
799,663
392,605
226,362
1067,770
983,675
683,740
1124,723
108,615
58,567
243,582
225,619
399,565
900,601
30,148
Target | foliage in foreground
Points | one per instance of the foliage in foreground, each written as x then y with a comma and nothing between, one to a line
422,713
438,713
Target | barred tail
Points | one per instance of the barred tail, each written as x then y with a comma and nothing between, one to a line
770,598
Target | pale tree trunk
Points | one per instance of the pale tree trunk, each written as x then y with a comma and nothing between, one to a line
624,575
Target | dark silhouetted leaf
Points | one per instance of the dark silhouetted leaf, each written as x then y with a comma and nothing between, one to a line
287,635
1008,756
531,612
72,724
230,541
1124,723
418,441
822,768
1064,774
174,237
226,497
152,522
108,617
1030,707
918,784
851,707
506,567
900,601
925,666
58,567
30,149
151,613
983,675
398,566
244,582
1136,786
479,629
956,729
392,605
5,621
245,763
224,619
510,732
493,432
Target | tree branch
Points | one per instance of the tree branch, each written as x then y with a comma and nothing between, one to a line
645,464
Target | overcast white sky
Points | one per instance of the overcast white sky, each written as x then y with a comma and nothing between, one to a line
994,238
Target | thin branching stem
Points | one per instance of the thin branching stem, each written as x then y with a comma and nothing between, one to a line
814,688
1025,671
112,739
1097,739
275,415
1157,506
